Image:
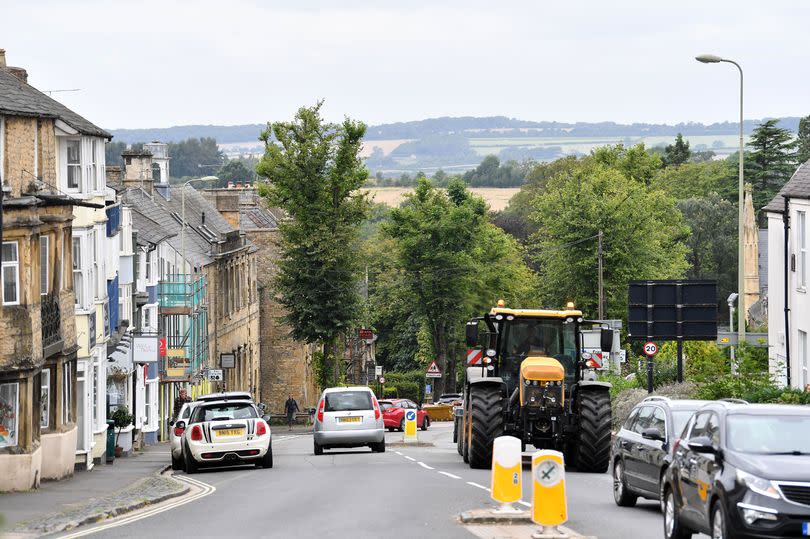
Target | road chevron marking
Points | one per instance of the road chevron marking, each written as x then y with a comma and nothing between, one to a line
206,490
398,453
476,485
451,476
410,458
425,466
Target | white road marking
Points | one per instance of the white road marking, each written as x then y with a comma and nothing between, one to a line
425,466
410,458
476,485
206,490
526,504
398,453
451,476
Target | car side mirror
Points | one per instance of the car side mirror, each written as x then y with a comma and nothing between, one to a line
266,418
702,444
652,434
471,334
312,411
180,425
606,339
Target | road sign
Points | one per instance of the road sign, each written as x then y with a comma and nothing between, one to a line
427,389
650,348
365,334
176,352
672,310
378,370
410,426
382,379
433,371
507,462
474,356
227,361
549,506
215,375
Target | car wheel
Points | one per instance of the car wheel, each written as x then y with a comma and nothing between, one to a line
425,423
719,522
402,425
318,448
672,525
622,496
177,463
267,460
190,464
661,484
378,447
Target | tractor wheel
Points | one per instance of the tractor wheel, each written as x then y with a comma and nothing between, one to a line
486,420
465,432
593,449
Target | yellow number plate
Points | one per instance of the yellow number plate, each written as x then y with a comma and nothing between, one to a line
350,419
229,432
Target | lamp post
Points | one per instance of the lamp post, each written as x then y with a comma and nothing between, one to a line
731,299
713,59
183,216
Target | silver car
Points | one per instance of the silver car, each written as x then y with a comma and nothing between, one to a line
348,417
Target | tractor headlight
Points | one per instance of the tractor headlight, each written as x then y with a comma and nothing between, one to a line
491,352
528,382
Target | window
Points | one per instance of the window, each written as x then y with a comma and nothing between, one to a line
9,414
45,399
659,421
96,366
713,429
802,345
11,273
148,272
91,167
147,404
78,283
74,164
699,426
91,239
44,243
801,238
67,392
628,425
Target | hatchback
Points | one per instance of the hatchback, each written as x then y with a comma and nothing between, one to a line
348,417
641,449
394,414
741,471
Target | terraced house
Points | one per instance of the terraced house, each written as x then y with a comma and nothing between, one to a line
42,156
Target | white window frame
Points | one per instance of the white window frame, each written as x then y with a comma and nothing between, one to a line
804,375
12,389
79,169
79,286
11,265
45,398
92,171
801,250
44,262
101,262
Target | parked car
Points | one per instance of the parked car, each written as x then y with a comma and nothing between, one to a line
449,398
394,414
741,471
228,395
642,448
176,435
225,432
348,417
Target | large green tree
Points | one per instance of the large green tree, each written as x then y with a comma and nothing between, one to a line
803,140
771,162
698,180
234,171
194,157
643,234
677,153
314,173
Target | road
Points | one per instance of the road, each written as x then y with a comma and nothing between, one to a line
403,493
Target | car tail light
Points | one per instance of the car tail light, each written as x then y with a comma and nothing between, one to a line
376,407
320,410
261,428
196,433
178,431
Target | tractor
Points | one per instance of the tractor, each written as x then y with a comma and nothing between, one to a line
535,383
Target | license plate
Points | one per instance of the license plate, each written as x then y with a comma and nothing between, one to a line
350,419
229,432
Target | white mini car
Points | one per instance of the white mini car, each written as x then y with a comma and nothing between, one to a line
224,433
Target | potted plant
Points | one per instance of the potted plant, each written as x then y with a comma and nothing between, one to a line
122,419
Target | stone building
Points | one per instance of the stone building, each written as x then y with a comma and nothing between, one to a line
38,349
285,364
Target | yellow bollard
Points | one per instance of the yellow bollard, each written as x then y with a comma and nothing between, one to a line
549,506
507,484
409,436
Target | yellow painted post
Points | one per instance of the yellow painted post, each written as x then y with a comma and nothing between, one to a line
549,505
409,436
507,484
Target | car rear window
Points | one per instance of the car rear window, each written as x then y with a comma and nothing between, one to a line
224,412
341,401
385,405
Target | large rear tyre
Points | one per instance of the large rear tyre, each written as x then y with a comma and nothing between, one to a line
593,449
486,415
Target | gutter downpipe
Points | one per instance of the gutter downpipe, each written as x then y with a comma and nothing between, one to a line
786,221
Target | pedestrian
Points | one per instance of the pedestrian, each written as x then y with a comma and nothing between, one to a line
181,399
290,407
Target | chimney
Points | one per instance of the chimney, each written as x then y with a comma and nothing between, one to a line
138,169
18,72
2,57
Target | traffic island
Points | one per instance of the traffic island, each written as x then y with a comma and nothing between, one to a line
409,444
489,524
147,491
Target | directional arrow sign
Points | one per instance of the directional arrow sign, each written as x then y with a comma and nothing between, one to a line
433,371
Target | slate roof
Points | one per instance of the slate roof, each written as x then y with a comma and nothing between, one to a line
18,98
797,187
257,219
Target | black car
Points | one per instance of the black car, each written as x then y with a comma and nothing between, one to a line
641,450
741,471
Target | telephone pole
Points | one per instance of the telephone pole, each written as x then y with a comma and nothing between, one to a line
601,279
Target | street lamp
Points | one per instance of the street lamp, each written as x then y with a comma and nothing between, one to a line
713,59
731,299
183,217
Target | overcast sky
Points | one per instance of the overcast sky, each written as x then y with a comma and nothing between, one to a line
163,63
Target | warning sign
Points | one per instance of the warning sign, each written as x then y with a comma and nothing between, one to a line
433,371
474,356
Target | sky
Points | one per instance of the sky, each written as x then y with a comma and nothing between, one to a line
164,63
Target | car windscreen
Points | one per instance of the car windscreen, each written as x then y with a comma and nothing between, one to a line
679,420
341,401
768,434
224,412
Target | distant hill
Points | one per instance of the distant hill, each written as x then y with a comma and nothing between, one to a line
468,126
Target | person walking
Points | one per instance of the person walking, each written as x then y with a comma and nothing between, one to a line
290,407
181,399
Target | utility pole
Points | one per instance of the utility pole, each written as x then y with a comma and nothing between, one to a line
601,279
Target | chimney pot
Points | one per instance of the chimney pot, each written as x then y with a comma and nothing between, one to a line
2,57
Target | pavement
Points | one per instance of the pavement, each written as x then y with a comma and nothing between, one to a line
407,492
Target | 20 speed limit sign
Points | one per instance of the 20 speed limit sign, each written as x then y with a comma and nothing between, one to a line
650,348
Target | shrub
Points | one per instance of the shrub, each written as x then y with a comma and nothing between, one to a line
405,385
625,400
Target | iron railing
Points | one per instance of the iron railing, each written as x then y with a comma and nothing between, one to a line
51,324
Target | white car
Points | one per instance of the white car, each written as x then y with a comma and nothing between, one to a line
348,417
176,435
224,433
